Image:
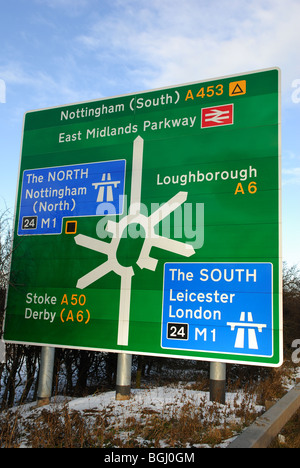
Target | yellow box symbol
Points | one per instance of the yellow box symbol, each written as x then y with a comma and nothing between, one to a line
71,227
237,88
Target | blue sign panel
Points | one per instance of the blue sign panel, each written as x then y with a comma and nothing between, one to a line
53,193
218,307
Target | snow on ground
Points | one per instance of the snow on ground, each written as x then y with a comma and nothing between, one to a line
165,401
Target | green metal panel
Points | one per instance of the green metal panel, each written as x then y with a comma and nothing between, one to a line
208,153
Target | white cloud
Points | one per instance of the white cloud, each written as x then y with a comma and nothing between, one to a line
42,88
195,39
291,176
125,46
72,7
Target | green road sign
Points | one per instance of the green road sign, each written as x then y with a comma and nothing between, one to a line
150,224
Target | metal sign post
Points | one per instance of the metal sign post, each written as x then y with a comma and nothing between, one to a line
217,388
45,375
123,381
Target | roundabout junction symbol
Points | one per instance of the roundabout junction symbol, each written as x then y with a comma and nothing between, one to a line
151,240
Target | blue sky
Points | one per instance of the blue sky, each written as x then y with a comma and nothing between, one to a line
55,52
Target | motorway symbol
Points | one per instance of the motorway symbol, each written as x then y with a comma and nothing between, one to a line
241,327
109,184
